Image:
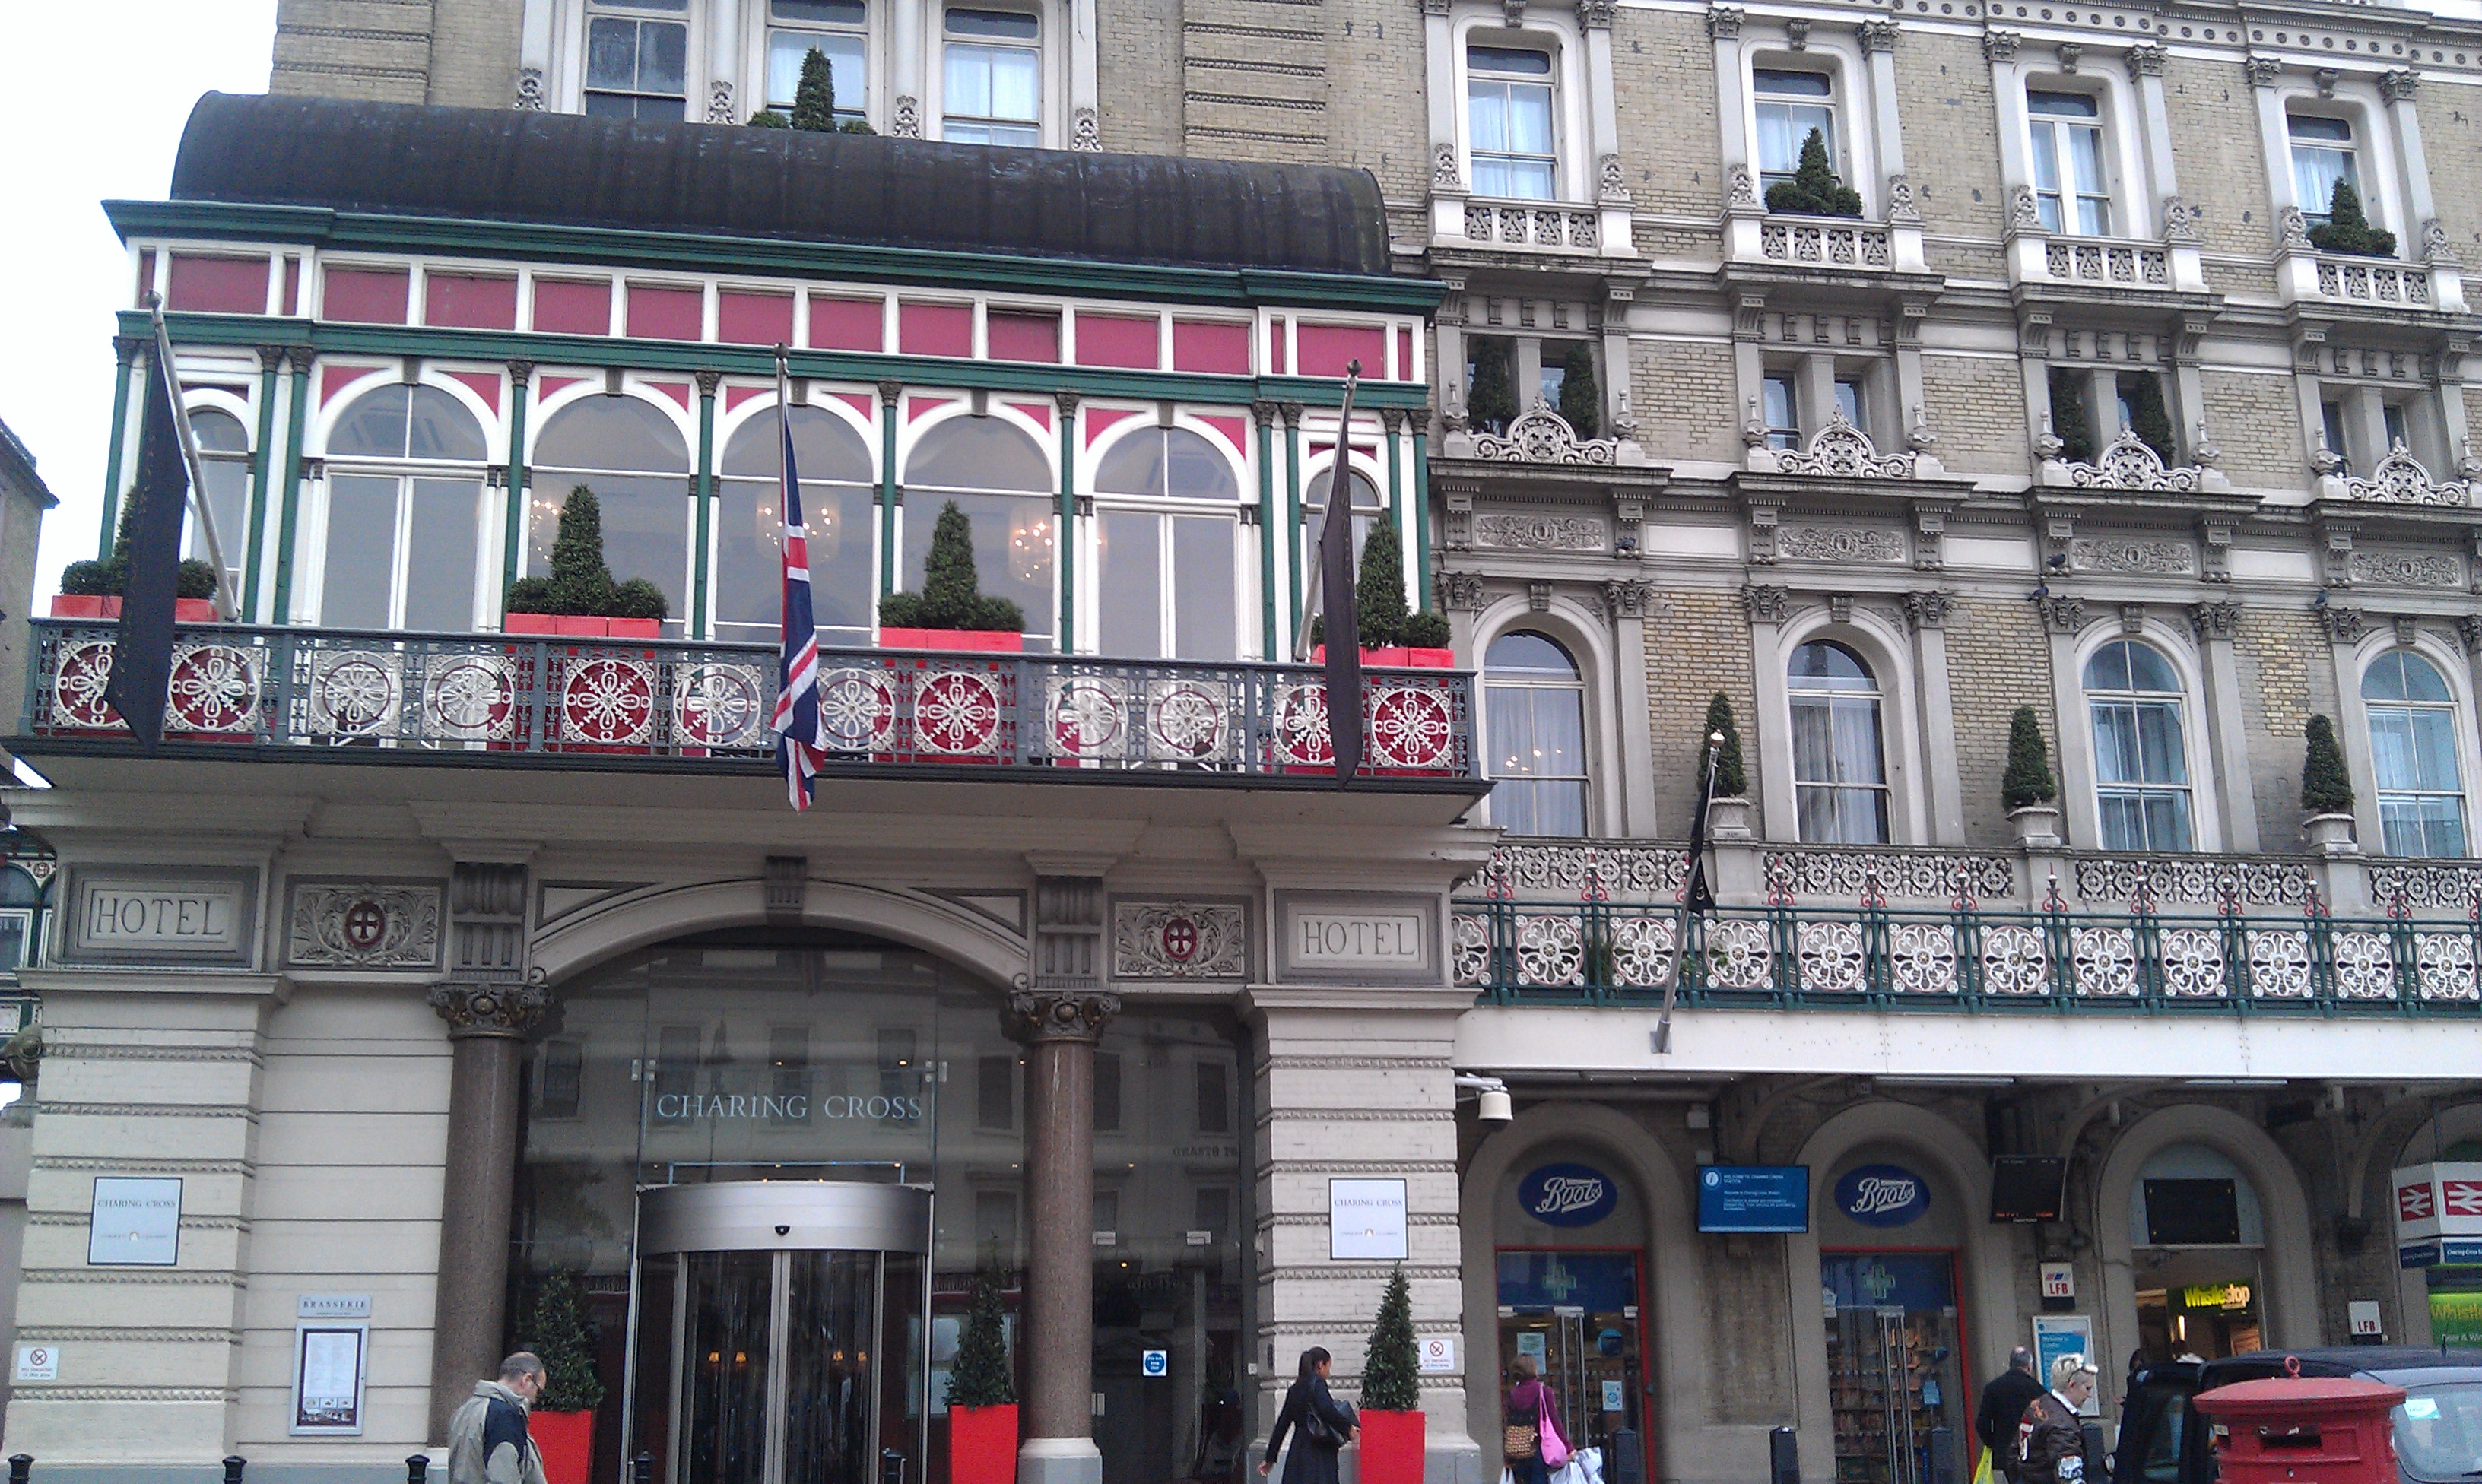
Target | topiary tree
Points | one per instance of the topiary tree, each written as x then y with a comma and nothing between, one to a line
1490,399
980,1377
1379,594
2326,788
814,98
1427,630
2148,417
1391,1374
559,1330
2069,423
577,582
2347,229
108,577
952,591
1581,396
1731,776
2028,780
769,119
1813,190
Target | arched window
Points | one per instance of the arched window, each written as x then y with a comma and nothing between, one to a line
1167,530
637,463
224,458
1534,704
2141,751
1001,480
404,545
1839,769
836,515
1366,509
2413,751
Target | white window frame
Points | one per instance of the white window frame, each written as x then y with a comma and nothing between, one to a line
2204,830
2353,723
2454,709
1585,778
2066,201
1848,72
1799,695
232,402
1045,48
1543,32
2376,152
1508,83
1886,650
311,550
1242,512
579,18
1587,636
758,46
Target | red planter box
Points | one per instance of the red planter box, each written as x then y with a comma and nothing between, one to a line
634,627
582,626
1397,656
982,1444
78,605
567,1441
528,623
984,640
1391,1447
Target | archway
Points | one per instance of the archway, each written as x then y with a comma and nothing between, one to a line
2436,1305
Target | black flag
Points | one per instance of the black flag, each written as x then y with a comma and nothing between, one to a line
1701,896
142,658
1340,615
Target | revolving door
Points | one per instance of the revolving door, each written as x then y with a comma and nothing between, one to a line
777,1333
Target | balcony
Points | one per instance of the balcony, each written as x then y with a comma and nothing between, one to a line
495,700
2041,258
2433,285
2129,265
1821,241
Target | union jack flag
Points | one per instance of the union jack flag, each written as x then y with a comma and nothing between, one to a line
796,722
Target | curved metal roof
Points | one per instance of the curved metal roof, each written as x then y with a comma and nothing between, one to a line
570,170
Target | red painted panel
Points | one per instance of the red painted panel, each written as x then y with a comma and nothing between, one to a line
1101,420
548,388
1235,431
1039,411
1276,362
935,329
469,300
1118,340
735,396
1405,355
486,384
861,402
365,295
146,277
917,407
753,319
1327,348
847,323
292,285
335,379
1023,337
1202,345
678,391
568,306
206,285
666,314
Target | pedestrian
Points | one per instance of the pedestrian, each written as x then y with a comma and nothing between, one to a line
1320,1424
1529,1401
2003,1401
2050,1441
488,1441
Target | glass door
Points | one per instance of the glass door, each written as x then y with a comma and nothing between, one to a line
726,1345
1895,1367
1576,1315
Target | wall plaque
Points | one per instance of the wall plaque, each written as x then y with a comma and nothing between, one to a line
164,915
363,924
135,1221
1357,938
1178,940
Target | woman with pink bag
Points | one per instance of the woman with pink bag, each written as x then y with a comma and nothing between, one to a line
1530,1437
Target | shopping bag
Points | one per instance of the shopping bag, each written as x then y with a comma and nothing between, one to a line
1982,1469
1590,1465
1508,1476
1569,1473
1555,1448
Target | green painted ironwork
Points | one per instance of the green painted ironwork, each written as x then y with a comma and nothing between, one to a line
1064,547
1421,503
706,500
125,350
888,394
513,523
1264,416
297,420
263,470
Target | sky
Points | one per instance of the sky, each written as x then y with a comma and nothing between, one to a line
92,102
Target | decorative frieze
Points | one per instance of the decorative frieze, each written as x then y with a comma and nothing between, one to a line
1178,940
1858,544
1838,451
1939,875
1541,532
363,924
2406,569
1540,436
2132,556
2129,463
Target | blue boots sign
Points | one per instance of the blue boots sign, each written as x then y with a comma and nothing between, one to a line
1566,1195
1882,1195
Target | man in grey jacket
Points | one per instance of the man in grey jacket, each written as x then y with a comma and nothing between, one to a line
488,1443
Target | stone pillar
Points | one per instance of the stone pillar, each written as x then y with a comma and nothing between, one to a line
2215,624
2064,617
1926,612
1771,769
1060,1019
1626,599
489,1003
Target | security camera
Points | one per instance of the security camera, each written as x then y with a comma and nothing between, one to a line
1492,1104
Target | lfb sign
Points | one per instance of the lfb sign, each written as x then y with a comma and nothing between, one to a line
1882,1195
2438,1200
1567,1195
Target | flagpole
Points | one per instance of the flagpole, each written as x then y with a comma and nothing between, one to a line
1339,484
225,608
1680,928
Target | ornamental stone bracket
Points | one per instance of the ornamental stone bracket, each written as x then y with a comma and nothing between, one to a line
1844,452
2401,480
2128,464
489,988
1540,436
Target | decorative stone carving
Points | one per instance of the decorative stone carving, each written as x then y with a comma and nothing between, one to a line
2221,619
1879,34
1928,876
1512,12
1038,1015
2146,59
906,121
2343,625
2292,229
1086,131
2024,212
492,1008
1900,202
719,102
2191,879
1596,14
1928,609
1615,186
2436,248
2261,72
363,925
1838,543
2167,558
2070,54
2469,631
1723,22
1538,597
2179,220
1841,450
2048,445
2400,85
1540,435
1461,593
530,90
1444,176
2128,464
1766,604
1628,597
1178,940
2207,452
2401,480
2326,78
1541,533
2001,45
2062,613
1797,33
2406,569
1741,188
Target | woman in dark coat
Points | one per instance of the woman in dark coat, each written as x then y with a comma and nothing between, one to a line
1311,1461
1528,1398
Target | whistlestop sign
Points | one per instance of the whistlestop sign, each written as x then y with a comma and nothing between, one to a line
2435,1201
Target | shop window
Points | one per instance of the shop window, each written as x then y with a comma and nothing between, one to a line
638,464
2141,752
1510,116
991,85
637,59
1894,1353
1839,769
558,1073
404,546
223,460
833,28
1790,105
1214,1099
2323,156
2414,752
1003,482
1168,516
1107,1092
2072,179
2200,1285
995,1093
1779,408
1534,706
840,525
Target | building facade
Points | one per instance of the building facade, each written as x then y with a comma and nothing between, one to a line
2071,383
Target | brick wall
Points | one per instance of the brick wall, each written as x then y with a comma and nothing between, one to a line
1138,72
474,56
1254,80
376,49
1663,77
1943,99
2257,420
1680,242
2216,153
1379,115
2252,280
1683,392
1977,407
1699,645
1966,260
2452,138
2474,418
1998,659
2286,673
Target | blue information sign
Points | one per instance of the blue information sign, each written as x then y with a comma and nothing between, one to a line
1754,1198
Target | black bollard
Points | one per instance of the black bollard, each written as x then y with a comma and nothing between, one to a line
21,1467
234,1464
417,1467
643,1468
1783,1457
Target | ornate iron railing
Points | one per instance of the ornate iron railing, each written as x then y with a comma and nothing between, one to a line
699,705
1513,951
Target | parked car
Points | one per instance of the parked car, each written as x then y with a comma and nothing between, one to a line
2438,1428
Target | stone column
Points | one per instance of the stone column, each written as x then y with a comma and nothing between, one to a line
1060,1019
2215,624
1626,599
1926,611
2064,617
1779,815
489,1003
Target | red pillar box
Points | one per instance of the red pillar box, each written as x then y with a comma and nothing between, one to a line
1391,1447
2293,1430
982,1444
567,1441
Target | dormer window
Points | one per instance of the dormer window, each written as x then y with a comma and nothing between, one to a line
834,28
2322,154
637,59
1789,106
1508,103
993,79
2071,183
